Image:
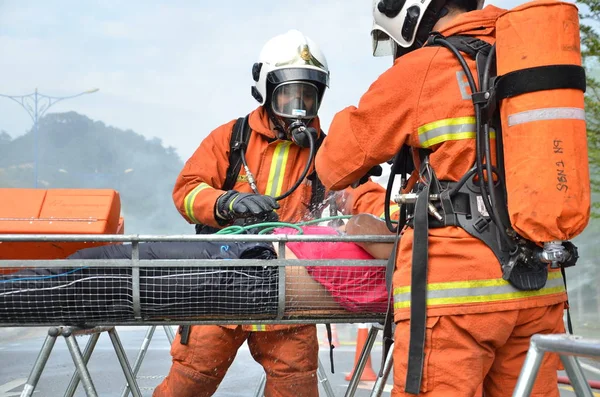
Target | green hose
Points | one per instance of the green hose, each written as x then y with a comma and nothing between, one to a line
267,227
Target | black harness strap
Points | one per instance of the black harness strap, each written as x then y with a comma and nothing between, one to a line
239,141
317,196
331,346
418,293
540,78
402,165
388,335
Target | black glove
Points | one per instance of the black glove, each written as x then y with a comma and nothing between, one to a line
253,220
375,171
233,205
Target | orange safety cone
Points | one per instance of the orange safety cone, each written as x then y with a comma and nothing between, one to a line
361,339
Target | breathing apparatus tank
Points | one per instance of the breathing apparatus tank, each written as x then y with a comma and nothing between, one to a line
543,132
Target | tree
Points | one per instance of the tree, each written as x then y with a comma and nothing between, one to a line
4,137
590,47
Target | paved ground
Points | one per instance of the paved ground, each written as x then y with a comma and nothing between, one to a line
19,348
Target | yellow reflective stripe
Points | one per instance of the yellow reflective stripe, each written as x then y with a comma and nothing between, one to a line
479,291
448,130
259,327
393,209
494,282
277,170
188,202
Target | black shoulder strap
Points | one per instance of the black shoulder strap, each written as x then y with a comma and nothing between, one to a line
318,189
471,46
239,140
522,81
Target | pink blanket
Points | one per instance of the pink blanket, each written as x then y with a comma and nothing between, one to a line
356,288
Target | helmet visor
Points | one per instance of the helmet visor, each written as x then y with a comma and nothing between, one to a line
296,99
382,43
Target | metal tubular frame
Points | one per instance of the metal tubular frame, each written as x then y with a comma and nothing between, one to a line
135,264
568,347
80,360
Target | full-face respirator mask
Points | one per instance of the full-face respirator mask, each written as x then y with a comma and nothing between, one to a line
294,104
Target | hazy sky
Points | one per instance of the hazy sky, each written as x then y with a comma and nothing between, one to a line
173,70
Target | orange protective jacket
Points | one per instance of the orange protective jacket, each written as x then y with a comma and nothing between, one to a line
423,101
276,165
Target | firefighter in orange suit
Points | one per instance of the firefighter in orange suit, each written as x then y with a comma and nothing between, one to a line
290,79
478,325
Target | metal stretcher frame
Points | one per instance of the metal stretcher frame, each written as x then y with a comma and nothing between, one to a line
80,359
568,347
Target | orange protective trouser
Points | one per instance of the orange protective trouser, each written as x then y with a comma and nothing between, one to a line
462,352
289,357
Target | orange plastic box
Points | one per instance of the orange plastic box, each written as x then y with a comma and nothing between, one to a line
56,211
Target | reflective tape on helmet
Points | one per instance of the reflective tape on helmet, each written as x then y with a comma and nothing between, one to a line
546,114
448,130
277,170
188,202
479,291
258,327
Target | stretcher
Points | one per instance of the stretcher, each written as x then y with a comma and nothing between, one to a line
284,310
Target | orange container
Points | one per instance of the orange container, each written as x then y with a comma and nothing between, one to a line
56,211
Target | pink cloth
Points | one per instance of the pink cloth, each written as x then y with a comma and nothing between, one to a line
355,288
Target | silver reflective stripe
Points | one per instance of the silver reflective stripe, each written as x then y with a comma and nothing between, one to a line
447,133
546,114
448,130
477,292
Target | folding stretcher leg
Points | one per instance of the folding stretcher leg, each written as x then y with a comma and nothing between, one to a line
260,390
84,374
576,375
87,353
144,348
362,360
324,381
40,362
122,356
80,360
170,333
381,380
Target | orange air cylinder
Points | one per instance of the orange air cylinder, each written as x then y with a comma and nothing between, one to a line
544,132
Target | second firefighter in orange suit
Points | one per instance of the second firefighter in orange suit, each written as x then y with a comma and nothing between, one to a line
478,325
291,68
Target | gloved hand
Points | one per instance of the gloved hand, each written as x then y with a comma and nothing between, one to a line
253,220
374,171
233,205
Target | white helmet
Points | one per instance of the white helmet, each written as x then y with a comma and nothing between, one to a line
291,65
408,23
